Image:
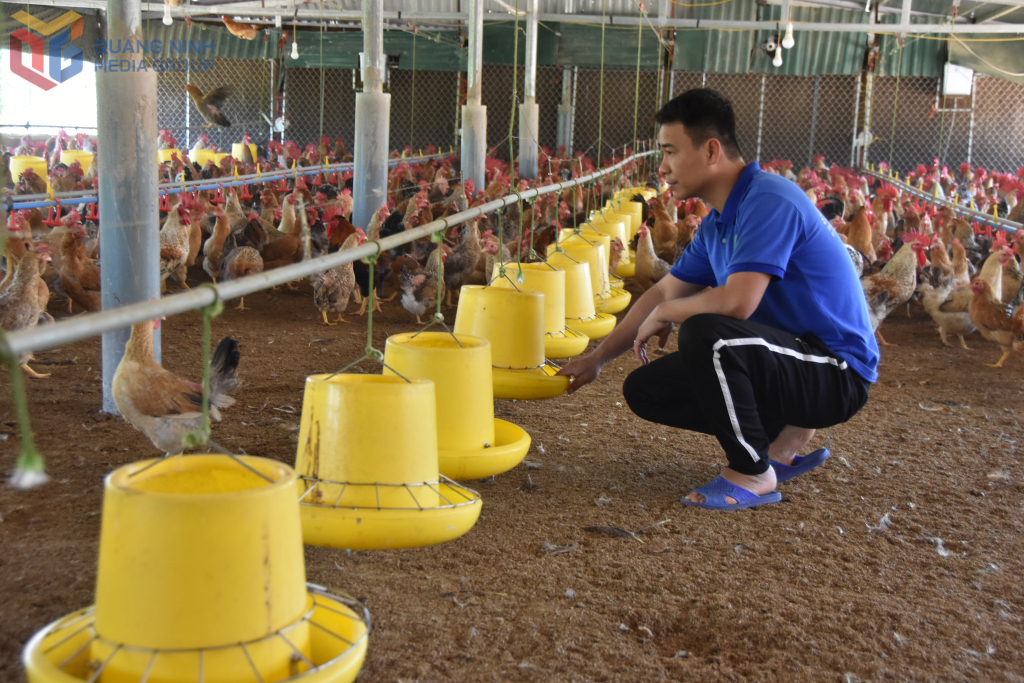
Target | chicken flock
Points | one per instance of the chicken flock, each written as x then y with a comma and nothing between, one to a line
966,277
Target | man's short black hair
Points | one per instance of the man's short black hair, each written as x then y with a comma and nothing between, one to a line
705,114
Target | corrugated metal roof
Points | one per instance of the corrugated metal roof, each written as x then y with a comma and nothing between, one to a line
225,44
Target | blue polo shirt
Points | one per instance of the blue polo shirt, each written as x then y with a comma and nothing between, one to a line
768,225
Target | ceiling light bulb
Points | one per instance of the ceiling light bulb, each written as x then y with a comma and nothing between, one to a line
778,57
167,15
295,50
788,41
277,21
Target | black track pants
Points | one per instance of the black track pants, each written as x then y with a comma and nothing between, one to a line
742,382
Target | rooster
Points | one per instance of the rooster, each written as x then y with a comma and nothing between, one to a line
162,405
175,238
896,282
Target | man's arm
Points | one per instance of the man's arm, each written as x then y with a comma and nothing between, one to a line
586,369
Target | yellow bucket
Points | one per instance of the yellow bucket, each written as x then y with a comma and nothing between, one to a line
580,314
236,151
630,221
17,166
593,252
201,156
69,157
471,443
369,484
201,572
550,281
164,155
513,321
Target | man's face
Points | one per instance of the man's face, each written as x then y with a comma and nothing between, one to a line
683,166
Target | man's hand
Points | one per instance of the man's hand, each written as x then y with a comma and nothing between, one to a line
582,371
651,327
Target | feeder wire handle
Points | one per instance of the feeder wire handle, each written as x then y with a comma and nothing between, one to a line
201,436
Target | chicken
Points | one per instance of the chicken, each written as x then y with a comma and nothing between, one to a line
664,231
162,405
214,246
333,288
421,289
992,271
286,249
961,266
79,276
687,232
459,267
993,318
197,213
858,234
896,282
239,30
948,307
210,105
617,248
175,238
240,262
649,268
21,306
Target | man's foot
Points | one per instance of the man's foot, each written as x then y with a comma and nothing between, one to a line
758,484
789,443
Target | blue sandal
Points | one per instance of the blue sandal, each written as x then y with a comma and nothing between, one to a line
801,464
715,492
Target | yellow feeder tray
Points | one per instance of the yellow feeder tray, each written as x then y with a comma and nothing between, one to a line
613,216
616,301
164,155
626,267
580,314
513,321
471,443
202,156
68,157
201,577
559,342
370,486
236,151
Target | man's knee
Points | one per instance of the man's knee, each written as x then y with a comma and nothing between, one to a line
699,333
635,390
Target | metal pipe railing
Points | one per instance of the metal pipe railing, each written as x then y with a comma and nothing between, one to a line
972,214
93,324
39,201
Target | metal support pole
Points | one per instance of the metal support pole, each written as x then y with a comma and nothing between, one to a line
856,115
474,114
129,231
565,113
814,119
529,111
760,121
974,105
373,115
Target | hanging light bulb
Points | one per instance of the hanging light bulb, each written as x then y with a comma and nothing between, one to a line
295,50
167,14
778,57
788,41
277,21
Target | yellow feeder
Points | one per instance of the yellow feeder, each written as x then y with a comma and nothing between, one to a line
471,442
580,314
236,151
68,157
616,229
559,341
374,485
219,157
513,321
164,155
588,236
201,577
607,299
202,156
612,215
18,165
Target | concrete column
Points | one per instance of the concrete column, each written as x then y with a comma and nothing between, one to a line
474,114
373,118
529,112
129,229
566,111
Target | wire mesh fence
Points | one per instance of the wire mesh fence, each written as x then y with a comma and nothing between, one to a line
615,126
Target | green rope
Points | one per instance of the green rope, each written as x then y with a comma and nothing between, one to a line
600,105
438,239
895,99
520,278
201,436
30,469
515,97
412,106
636,93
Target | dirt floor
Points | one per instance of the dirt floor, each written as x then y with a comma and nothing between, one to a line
810,589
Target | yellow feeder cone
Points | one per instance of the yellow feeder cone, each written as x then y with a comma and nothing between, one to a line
236,151
580,314
201,577
611,215
559,341
471,443
513,321
69,157
164,155
616,230
202,156
370,483
607,299
18,165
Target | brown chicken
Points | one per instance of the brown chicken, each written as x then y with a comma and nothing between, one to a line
896,282
961,266
649,268
948,307
858,234
79,276
422,288
617,247
175,238
162,405
664,231
21,305
687,232
459,267
333,288
286,249
197,212
240,262
993,318
214,246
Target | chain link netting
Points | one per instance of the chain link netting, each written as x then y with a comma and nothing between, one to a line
616,123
